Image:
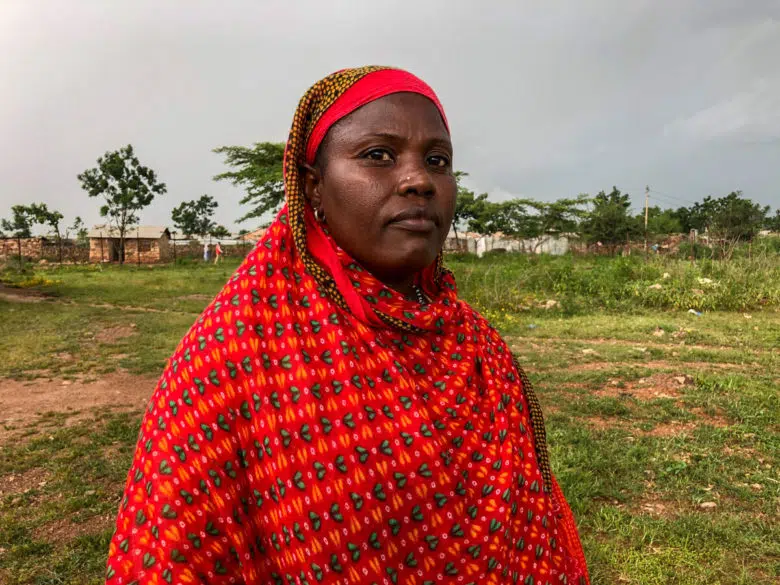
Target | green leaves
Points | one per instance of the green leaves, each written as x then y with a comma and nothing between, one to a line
258,170
124,184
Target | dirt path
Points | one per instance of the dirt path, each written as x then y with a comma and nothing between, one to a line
22,403
27,295
21,295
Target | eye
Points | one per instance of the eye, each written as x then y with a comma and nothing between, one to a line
438,160
379,154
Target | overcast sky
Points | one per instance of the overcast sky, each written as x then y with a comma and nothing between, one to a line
545,99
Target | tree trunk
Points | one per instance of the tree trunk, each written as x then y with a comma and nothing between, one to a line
59,244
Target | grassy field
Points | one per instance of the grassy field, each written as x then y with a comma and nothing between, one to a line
663,424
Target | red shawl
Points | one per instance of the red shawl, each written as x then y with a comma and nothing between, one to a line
315,426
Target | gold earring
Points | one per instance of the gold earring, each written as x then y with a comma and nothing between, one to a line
319,215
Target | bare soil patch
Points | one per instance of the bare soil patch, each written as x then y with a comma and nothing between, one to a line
671,429
652,365
645,389
113,334
657,508
23,402
22,295
717,420
20,483
63,530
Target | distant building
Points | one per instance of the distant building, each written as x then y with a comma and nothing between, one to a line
144,244
473,243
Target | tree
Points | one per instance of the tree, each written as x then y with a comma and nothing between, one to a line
126,187
21,223
557,217
259,171
510,217
195,217
468,207
696,217
220,232
772,223
41,214
661,222
736,218
609,222
78,230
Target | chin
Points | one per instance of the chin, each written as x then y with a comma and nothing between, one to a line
398,260
414,261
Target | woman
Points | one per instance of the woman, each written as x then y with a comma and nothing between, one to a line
337,414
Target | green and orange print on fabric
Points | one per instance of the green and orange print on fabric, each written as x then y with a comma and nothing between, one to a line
300,435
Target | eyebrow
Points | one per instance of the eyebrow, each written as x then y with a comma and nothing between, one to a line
395,137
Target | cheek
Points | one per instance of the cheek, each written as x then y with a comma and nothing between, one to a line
351,199
448,193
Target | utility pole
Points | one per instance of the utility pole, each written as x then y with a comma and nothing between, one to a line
647,210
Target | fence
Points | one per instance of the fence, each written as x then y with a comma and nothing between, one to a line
193,250
21,251
42,250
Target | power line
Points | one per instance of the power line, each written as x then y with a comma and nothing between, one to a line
677,197
666,200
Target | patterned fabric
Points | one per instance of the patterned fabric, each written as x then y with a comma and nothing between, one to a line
304,433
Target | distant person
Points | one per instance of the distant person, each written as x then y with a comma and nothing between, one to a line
338,414
206,252
217,253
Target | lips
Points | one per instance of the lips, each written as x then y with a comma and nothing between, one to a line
415,219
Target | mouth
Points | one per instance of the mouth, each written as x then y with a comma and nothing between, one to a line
415,219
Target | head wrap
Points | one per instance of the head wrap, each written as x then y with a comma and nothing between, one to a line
325,103
370,87
314,426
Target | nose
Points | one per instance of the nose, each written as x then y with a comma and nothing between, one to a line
415,180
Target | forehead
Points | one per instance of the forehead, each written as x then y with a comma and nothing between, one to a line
405,114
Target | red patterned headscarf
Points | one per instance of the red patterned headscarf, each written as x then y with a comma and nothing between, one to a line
315,426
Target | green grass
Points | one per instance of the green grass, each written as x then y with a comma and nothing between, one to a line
519,283
636,465
84,467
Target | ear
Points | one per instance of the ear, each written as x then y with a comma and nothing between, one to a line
312,184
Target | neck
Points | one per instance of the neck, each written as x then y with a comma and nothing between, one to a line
405,286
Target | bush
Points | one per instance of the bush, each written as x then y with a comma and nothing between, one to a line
513,282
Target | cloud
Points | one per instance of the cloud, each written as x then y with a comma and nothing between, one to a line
545,99
752,115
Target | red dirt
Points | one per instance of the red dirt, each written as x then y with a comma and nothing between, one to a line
670,429
21,295
653,365
21,483
63,530
657,508
23,403
113,334
651,388
716,420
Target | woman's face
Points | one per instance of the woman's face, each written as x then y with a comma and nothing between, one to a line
385,185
